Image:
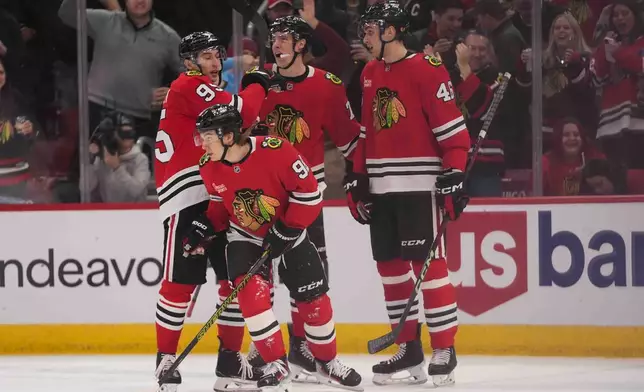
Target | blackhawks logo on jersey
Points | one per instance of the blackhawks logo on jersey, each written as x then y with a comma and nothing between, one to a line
287,122
253,208
387,109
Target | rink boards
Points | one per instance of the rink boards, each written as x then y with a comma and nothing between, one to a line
533,276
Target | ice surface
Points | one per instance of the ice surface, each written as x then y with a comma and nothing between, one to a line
474,373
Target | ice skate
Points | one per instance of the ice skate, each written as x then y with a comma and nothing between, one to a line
302,362
441,366
409,360
276,377
337,374
253,357
234,373
164,362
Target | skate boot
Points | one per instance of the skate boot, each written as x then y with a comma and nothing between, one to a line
253,357
164,362
337,374
409,359
441,366
301,361
234,373
276,377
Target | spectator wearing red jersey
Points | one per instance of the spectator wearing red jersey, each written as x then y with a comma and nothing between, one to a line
562,166
567,88
617,69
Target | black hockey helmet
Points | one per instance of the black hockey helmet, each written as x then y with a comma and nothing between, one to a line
193,44
222,119
294,25
388,13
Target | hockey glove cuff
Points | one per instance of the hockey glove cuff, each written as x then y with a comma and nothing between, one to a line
356,186
266,79
450,193
281,238
198,237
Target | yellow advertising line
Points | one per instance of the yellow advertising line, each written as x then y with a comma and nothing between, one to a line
352,339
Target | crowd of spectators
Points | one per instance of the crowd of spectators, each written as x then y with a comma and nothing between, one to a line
592,88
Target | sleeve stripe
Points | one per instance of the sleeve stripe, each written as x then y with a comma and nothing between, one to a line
309,199
237,102
216,198
447,127
349,147
451,131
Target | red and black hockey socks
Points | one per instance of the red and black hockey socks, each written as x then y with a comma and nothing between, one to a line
318,326
255,304
439,301
171,313
398,286
231,323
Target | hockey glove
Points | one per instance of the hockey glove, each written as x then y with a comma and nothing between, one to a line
450,194
198,237
266,79
356,186
280,239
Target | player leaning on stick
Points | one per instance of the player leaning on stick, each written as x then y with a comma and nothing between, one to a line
265,195
313,102
416,150
183,202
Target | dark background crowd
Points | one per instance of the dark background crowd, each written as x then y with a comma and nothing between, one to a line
592,89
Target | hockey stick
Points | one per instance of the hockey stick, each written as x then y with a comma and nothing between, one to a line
193,302
381,343
245,9
202,332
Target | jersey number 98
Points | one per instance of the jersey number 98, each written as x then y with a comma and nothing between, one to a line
300,168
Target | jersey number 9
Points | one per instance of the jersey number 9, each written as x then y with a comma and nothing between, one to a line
300,168
205,92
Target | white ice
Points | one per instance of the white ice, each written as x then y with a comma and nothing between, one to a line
474,373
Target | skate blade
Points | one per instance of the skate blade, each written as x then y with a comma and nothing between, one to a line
443,380
300,375
410,376
225,384
332,383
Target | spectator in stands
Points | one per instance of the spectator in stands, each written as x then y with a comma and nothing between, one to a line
123,175
522,18
131,52
567,85
278,8
562,166
442,34
506,39
474,80
618,71
17,132
602,177
11,44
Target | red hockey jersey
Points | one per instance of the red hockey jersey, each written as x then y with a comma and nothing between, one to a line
313,103
272,182
414,127
176,167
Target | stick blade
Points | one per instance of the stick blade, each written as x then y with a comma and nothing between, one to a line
378,344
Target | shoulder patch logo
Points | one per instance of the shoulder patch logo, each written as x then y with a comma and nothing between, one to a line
433,60
194,73
205,158
334,79
272,142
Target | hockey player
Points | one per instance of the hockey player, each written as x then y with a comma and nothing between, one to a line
416,151
314,101
263,192
183,200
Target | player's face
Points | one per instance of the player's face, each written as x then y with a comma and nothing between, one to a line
211,144
138,8
282,46
371,38
210,63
